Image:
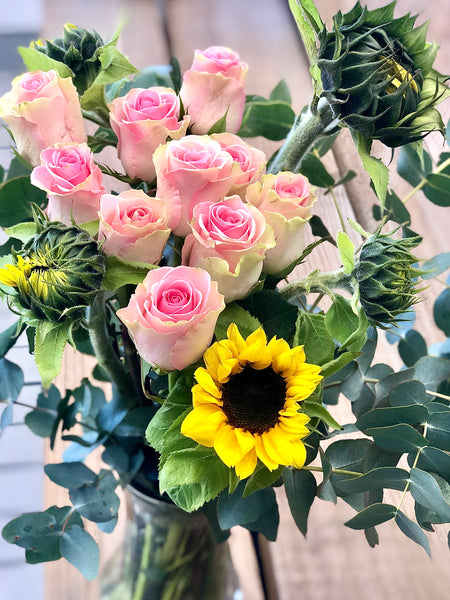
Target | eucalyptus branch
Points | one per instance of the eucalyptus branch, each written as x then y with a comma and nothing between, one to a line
48,411
424,181
307,128
333,471
406,488
318,282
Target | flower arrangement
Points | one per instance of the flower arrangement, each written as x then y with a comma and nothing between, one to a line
173,264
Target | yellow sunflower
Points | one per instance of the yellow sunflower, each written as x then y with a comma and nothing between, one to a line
246,402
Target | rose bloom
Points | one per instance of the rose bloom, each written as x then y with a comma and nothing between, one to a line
142,120
73,183
191,170
285,200
249,162
133,226
42,109
172,315
214,87
229,240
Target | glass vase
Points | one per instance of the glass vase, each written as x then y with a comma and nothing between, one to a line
168,554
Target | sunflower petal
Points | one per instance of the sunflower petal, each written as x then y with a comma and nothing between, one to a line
227,447
246,466
203,423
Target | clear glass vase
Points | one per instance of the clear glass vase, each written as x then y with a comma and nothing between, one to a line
168,554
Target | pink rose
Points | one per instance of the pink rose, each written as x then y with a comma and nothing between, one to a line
134,226
214,87
229,240
142,120
172,315
42,109
285,200
73,183
191,170
249,162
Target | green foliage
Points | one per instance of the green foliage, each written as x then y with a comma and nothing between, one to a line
271,118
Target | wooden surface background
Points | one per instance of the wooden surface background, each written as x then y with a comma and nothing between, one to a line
333,562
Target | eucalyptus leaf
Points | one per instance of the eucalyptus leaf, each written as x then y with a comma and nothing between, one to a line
412,530
301,487
383,477
425,490
372,515
397,438
412,347
70,475
438,430
441,311
12,381
80,549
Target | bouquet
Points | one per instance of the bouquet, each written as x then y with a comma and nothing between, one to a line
145,231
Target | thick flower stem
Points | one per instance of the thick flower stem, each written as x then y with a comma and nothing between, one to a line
322,283
305,131
104,351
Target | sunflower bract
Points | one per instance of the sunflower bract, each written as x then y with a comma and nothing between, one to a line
377,75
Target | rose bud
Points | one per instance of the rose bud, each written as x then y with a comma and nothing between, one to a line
214,87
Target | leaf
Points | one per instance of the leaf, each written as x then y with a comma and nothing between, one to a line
120,272
408,392
387,416
94,502
346,251
261,478
281,92
234,313
12,381
318,229
301,487
436,265
411,167
371,516
441,311
22,231
397,438
335,365
438,430
382,477
314,409
27,530
432,371
277,316
309,23
435,460
310,331
16,198
271,119
38,61
425,490
412,347
412,530
313,168
50,342
44,420
342,323
70,475
192,477
377,170
9,337
79,548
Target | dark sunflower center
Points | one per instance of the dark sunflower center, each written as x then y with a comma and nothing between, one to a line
252,399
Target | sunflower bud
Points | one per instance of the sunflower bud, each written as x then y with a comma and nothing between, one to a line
56,275
78,50
387,280
377,75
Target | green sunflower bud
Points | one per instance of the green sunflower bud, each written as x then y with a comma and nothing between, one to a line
387,280
56,275
377,75
78,50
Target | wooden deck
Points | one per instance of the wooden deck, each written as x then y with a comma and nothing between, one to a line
334,562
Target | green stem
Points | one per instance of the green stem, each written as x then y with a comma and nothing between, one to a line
48,411
305,131
424,181
141,582
94,118
334,471
316,302
103,348
322,283
338,210
406,488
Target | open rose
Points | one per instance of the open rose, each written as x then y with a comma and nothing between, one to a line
42,109
73,183
214,87
191,170
142,120
249,162
133,226
229,240
285,200
172,315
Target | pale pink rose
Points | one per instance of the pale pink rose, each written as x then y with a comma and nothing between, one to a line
73,183
285,199
42,109
249,162
133,226
229,240
191,170
172,315
214,87
142,120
